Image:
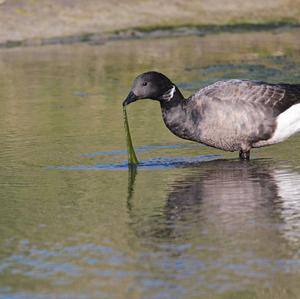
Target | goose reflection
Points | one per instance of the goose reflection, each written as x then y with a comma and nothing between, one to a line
256,201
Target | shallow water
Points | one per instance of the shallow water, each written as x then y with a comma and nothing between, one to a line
189,222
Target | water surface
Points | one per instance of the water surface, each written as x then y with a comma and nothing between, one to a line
191,222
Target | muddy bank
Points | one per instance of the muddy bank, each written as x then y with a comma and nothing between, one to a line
138,33
32,22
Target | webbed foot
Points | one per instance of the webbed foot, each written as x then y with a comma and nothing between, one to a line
244,155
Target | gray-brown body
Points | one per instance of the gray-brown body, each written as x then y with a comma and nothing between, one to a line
230,115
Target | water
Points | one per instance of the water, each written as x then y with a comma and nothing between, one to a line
190,222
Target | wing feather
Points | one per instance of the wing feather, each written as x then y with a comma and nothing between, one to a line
279,97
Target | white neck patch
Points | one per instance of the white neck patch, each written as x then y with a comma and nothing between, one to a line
168,95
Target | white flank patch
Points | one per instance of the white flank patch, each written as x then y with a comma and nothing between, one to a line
288,123
169,94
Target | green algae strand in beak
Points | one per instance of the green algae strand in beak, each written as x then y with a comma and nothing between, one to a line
132,159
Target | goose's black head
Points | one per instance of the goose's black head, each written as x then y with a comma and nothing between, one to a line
151,85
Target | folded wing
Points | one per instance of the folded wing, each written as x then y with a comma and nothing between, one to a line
279,97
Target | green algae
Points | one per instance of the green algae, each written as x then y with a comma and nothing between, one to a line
132,159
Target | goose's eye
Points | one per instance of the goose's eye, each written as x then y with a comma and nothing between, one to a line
145,83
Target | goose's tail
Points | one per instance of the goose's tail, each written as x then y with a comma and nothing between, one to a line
288,123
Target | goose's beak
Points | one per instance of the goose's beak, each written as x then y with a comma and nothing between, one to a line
130,98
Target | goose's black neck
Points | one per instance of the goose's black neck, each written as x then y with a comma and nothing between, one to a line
175,115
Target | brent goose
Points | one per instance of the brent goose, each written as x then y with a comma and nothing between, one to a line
233,115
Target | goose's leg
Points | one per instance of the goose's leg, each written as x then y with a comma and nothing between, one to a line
244,155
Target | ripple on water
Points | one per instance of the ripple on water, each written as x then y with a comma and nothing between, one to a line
143,149
153,163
